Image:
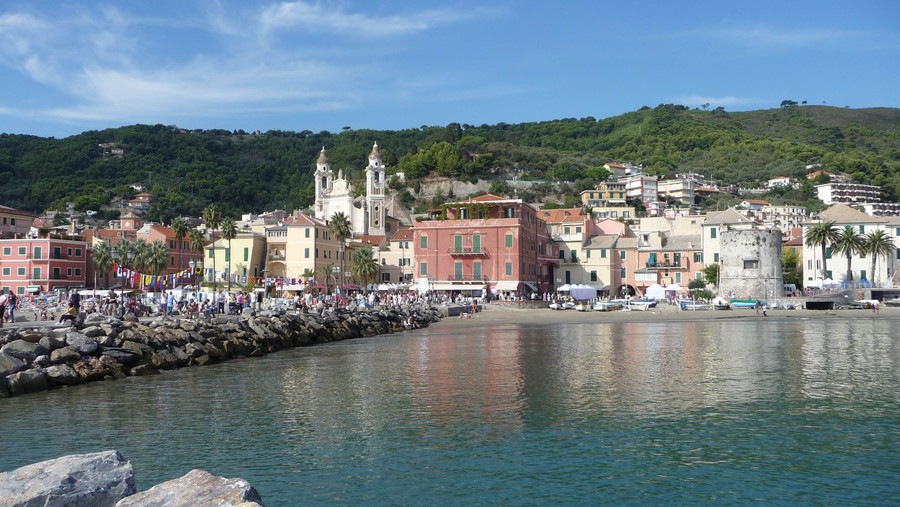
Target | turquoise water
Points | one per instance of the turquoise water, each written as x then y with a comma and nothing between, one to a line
726,412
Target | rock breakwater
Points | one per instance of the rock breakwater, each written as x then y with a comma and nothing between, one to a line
102,348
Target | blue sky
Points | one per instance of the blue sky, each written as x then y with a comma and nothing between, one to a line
67,67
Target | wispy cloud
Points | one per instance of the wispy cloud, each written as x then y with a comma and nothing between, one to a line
107,59
770,36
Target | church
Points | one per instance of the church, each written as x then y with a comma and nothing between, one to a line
366,213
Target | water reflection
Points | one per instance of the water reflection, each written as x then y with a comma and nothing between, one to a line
489,415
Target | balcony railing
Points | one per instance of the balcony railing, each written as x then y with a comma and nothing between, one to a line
453,278
663,264
276,257
467,251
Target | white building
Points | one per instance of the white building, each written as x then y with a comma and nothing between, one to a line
848,193
366,214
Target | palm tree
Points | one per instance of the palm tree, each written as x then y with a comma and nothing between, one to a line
365,269
878,244
196,242
212,218
180,228
229,232
849,243
822,234
341,228
326,270
140,257
101,254
156,259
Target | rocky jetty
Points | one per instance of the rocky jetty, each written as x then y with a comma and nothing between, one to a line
106,479
104,348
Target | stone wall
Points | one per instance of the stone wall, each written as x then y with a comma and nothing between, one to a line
102,348
750,264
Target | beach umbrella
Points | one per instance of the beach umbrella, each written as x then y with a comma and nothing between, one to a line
564,288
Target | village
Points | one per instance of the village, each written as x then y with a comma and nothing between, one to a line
482,246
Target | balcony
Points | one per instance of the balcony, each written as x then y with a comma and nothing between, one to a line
664,265
453,278
275,257
467,252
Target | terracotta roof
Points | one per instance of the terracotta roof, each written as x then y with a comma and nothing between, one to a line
370,239
405,234
13,211
488,198
757,201
302,219
562,215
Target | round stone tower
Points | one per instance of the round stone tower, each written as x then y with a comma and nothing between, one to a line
750,264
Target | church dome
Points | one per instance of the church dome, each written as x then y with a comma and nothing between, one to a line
375,152
323,159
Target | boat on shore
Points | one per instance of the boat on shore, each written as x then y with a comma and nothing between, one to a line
746,303
607,305
691,305
892,302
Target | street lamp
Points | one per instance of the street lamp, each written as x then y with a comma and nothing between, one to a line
196,269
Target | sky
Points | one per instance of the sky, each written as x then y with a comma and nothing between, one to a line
71,66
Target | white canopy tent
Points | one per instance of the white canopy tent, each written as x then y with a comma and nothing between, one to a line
655,291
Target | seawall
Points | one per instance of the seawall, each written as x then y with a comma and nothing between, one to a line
34,359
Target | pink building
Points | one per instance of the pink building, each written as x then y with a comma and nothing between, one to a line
485,242
37,265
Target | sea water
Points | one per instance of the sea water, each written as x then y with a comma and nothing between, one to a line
718,412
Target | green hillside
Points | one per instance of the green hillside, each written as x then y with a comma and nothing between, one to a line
245,172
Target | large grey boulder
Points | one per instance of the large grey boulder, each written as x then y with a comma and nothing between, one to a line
196,488
26,351
10,364
65,355
84,344
62,374
28,381
98,479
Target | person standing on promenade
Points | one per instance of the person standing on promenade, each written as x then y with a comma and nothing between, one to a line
3,300
11,301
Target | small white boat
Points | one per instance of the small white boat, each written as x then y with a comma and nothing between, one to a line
607,306
582,307
689,305
892,302
639,306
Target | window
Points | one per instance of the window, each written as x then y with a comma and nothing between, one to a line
593,276
698,256
69,252
573,255
22,250
77,271
306,232
677,277
828,252
587,254
622,254
36,274
622,273
698,275
715,257
751,264
566,230
211,253
712,232
317,253
38,252
509,240
476,270
862,229
476,243
69,272
458,271
423,242
457,243
562,254
171,243
246,254
227,254
7,250
19,290
602,253
306,253
423,269
20,271
578,230
5,271
508,268
626,214
862,274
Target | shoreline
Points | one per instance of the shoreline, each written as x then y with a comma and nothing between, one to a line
498,314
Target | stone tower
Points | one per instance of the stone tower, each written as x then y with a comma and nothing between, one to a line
750,264
375,183
323,177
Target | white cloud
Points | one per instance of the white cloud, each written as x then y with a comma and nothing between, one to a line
779,37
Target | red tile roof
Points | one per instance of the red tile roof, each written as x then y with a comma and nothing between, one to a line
562,215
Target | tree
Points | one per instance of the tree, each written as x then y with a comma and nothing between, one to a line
791,266
101,255
229,232
326,270
196,242
365,268
821,234
212,218
341,229
878,244
849,243
156,260
711,274
180,228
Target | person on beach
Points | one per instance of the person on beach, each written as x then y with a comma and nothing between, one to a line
3,300
11,301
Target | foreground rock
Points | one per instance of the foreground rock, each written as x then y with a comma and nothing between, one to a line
99,479
106,479
196,488
35,359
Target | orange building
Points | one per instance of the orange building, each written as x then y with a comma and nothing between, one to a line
44,264
489,242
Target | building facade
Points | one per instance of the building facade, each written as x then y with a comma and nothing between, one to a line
43,264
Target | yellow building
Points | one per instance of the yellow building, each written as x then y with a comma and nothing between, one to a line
245,256
300,246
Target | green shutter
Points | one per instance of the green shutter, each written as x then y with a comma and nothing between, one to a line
476,244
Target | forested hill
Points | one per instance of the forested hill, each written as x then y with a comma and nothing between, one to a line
188,169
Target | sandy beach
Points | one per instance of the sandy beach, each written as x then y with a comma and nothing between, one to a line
497,314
